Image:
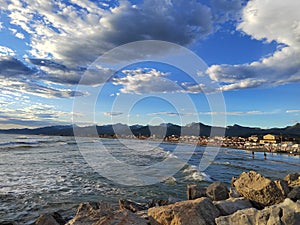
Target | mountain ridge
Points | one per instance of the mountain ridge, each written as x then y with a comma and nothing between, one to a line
196,129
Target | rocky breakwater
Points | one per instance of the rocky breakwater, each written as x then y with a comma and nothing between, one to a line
252,199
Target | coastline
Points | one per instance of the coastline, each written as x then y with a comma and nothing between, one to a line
269,201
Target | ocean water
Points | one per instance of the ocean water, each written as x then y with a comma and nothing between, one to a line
40,174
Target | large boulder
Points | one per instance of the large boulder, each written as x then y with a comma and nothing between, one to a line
195,191
285,213
94,213
231,205
293,179
200,211
217,191
50,219
262,191
89,213
121,217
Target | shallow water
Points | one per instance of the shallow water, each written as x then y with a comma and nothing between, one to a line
40,174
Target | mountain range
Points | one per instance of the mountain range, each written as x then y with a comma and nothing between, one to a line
162,130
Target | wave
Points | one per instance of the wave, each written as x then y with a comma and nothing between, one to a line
194,174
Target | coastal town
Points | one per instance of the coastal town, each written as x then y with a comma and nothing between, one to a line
266,143
263,143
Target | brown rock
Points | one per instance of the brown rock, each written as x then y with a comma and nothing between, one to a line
283,186
217,191
231,205
50,219
130,205
121,217
293,179
193,212
89,213
258,189
195,191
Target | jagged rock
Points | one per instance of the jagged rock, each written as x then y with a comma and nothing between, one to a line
233,193
231,205
285,213
283,186
89,213
258,189
155,202
193,212
195,191
293,179
294,194
94,213
217,191
130,205
50,219
121,217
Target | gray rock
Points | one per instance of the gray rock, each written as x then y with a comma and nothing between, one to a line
231,205
200,211
195,191
50,219
233,193
285,213
258,189
217,191
294,194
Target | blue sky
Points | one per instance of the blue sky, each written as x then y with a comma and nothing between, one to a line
53,69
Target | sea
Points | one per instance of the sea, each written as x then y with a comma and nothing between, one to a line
44,174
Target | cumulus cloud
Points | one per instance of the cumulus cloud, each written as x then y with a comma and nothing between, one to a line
259,21
33,115
77,33
146,80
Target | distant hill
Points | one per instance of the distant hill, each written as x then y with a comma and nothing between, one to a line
196,129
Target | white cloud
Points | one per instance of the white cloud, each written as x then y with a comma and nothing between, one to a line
112,113
293,111
141,81
5,51
32,114
270,21
78,33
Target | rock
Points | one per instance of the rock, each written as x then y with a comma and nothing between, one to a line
241,217
195,191
231,205
132,206
294,194
262,191
192,212
285,213
283,186
89,213
94,213
217,191
293,179
50,219
121,217
233,193
155,202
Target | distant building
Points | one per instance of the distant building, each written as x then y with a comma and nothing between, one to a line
269,138
253,138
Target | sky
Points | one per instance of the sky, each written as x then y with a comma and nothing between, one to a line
219,62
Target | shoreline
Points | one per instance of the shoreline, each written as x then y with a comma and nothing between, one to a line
216,204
